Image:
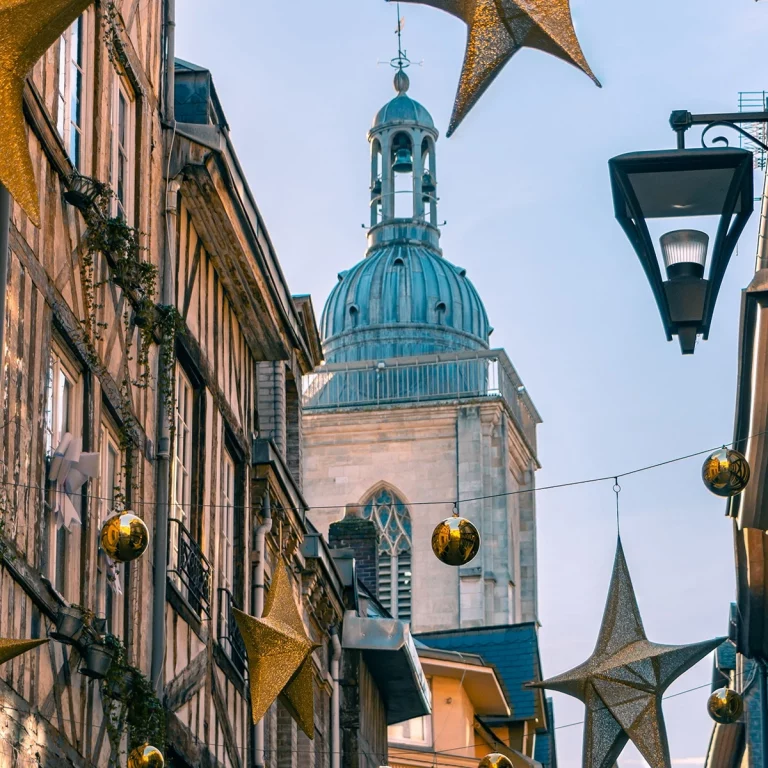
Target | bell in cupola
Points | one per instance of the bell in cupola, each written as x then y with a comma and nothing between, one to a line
427,186
403,161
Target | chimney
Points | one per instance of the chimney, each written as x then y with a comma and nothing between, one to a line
361,536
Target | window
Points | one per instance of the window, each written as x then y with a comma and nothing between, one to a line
182,460
70,90
109,602
62,416
227,567
394,524
122,149
191,572
412,732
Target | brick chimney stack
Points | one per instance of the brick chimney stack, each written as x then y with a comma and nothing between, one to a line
361,536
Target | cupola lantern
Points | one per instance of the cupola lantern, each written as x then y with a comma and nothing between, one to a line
403,168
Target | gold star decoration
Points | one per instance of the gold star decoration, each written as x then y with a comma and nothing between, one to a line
497,30
10,649
279,655
622,683
27,29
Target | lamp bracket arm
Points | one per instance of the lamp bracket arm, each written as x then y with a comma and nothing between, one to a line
681,120
733,126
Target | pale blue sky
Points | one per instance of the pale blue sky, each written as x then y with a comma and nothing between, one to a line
524,188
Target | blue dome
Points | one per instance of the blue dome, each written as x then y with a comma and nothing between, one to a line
404,299
403,109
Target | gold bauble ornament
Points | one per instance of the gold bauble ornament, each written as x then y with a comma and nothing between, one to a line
27,29
124,537
146,756
455,541
725,706
495,761
726,472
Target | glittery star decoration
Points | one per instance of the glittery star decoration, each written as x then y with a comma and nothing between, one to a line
622,683
27,29
279,655
10,649
497,30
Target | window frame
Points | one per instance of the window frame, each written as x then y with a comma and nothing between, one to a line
59,543
394,732
109,604
123,203
73,82
391,552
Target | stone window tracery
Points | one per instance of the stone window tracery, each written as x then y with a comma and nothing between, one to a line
393,521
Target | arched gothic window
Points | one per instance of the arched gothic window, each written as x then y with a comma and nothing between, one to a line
394,525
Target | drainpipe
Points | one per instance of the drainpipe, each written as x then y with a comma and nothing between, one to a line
162,512
335,702
257,603
170,60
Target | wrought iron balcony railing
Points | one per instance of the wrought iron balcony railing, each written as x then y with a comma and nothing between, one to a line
423,379
190,568
230,639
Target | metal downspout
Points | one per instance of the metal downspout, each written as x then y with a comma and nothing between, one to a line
257,608
162,512
335,700
170,61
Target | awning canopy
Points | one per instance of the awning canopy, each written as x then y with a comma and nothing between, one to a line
391,657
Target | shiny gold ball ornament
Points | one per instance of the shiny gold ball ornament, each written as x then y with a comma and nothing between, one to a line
495,761
455,541
124,537
146,756
726,472
725,706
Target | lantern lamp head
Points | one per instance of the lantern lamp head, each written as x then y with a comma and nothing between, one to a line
670,184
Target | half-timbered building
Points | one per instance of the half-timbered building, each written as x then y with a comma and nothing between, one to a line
152,363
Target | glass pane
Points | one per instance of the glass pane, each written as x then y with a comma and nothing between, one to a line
77,42
111,479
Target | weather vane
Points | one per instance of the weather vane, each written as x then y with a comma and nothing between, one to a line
401,61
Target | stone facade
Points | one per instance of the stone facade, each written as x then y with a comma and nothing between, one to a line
427,452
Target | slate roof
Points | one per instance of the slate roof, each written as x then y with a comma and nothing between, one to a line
513,650
545,751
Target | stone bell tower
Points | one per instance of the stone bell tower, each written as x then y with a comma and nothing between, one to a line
413,405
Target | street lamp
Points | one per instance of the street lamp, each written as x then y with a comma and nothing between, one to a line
671,184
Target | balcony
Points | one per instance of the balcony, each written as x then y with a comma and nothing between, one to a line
189,568
230,639
486,374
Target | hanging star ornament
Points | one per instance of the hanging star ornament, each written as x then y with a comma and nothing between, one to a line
497,30
27,29
279,655
10,649
622,683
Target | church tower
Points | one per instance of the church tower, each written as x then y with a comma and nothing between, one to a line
414,406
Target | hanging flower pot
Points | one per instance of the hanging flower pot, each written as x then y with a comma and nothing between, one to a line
119,683
70,623
97,659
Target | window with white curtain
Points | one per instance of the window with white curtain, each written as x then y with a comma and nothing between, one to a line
63,413
393,521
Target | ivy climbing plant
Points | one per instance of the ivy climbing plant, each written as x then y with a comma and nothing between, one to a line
130,705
